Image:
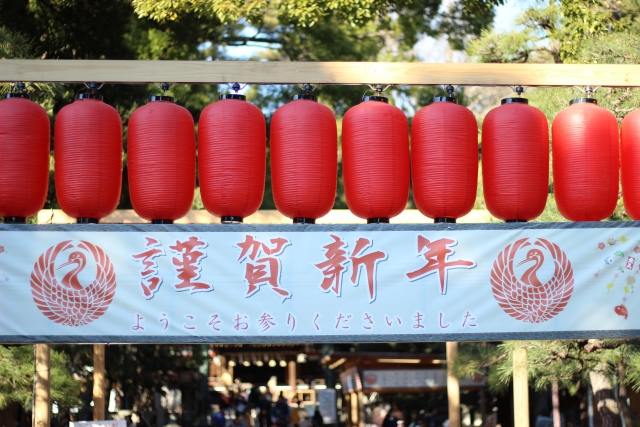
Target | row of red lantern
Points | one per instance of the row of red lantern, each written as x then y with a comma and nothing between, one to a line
161,156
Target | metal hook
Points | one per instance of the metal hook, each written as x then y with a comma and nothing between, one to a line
307,87
378,89
20,86
587,90
236,87
165,87
450,89
519,89
92,86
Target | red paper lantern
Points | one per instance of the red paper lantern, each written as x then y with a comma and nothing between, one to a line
444,159
24,157
630,163
232,158
585,161
515,161
162,160
375,159
88,158
304,159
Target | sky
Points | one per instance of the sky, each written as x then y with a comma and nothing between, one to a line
427,49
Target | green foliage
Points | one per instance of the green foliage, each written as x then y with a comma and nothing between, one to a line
567,361
557,32
305,13
13,45
592,18
138,370
465,19
407,18
537,39
16,378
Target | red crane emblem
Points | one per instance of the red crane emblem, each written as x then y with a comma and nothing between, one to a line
526,298
68,302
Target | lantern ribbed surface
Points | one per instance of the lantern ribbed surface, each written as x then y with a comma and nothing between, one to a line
585,162
232,158
24,157
304,159
630,163
375,160
515,161
88,158
444,160
162,161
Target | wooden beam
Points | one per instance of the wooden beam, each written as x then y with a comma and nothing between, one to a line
520,388
397,73
453,386
99,386
42,387
201,216
292,379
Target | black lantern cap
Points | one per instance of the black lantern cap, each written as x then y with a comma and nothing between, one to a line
304,221
93,92
161,221
519,90
308,88
166,98
15,220
516,220
514,101
87,221
581,100
21,93
306,96
449,98
233,96
89,95
443,220
231,220
378,221
375,98
17,95
445,99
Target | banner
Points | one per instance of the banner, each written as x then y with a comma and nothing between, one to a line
327,406
104,423
145,283
390,379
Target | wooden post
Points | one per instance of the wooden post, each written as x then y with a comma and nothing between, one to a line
99,385
355,409
42,387
291,366
555,402
453,386
361,414
520,388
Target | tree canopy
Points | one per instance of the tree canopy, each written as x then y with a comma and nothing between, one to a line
16,378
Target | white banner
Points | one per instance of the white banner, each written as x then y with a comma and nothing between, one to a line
389,379
105,423
327,406
323,284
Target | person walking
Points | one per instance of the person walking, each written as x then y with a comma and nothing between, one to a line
282,412
264,414
317,420
138,420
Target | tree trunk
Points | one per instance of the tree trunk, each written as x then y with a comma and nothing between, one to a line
622,397
604,397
